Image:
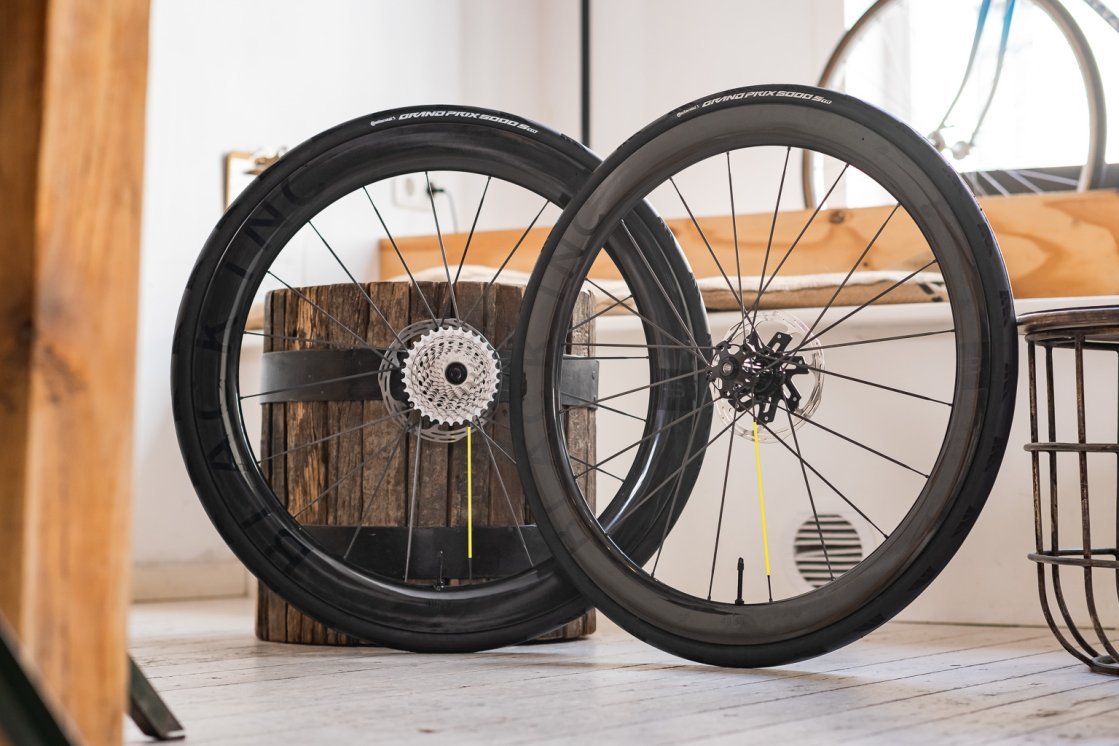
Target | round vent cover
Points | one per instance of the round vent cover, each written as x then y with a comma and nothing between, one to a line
841,549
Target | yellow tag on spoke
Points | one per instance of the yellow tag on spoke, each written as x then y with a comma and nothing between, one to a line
469,496
761,496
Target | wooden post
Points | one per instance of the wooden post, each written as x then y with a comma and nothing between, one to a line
378,495
73,76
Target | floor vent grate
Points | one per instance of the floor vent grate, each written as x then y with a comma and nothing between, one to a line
844,550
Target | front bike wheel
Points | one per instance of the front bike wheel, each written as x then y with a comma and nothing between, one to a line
853,443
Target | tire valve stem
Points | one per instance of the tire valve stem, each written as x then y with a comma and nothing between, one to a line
741,568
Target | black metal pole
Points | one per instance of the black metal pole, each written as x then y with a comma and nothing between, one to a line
585,62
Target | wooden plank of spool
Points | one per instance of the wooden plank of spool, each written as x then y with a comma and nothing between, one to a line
327,485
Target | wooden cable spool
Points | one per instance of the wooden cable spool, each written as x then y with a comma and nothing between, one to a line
368,478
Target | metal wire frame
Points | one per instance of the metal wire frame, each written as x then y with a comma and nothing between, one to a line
1080,330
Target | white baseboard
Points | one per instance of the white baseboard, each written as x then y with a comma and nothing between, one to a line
167,581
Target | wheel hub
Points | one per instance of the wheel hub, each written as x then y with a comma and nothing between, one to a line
755,376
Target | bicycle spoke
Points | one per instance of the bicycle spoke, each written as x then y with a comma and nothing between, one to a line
332,436
373,493
304,340
321,310
356,284
762,288
722,504
399,255
824,479
811,500
994,182
895,338
473,227
873,300
852,441
635,344
669,303
711,251
602,406
337,482
612,357
879,385
1024,182
675,499
495,444
855,266
442,248
645,319
506,260
1053,178
504,491
632,509
309,384
412,506
606,310
653,434
769,241
594,468
661,382
734,231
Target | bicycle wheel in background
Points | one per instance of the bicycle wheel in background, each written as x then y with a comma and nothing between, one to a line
1020,114
853,444
306,229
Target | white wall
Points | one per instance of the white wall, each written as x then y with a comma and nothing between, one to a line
227,75
650,56
242,74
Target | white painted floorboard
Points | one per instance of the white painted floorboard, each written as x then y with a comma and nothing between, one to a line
905,684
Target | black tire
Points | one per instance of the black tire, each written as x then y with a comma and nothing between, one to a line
857,602
206,355
1095,166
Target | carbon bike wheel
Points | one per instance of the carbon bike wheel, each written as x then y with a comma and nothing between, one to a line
1024,143
311,219
855,441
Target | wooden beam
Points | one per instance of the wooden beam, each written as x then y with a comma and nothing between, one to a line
73,76
1055,245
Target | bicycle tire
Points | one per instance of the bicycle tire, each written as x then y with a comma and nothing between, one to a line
801,626
205,361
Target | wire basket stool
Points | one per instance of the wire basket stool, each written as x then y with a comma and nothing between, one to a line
1081,330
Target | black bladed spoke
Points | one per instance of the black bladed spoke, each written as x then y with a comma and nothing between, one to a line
399,254
722,504
824,479
811,500
360,288
302,296
769,241
442,247
730,285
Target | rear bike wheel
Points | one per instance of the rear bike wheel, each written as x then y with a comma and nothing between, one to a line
409,389
854,444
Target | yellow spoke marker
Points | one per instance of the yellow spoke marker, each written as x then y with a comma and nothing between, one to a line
469,497
761,505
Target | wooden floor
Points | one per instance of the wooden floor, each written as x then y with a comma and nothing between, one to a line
905,684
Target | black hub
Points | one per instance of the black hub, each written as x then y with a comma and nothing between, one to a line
455,373
757,377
